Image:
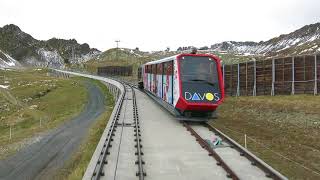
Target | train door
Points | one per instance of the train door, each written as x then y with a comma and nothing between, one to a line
167,84
149,78
154,79
145,77
159,80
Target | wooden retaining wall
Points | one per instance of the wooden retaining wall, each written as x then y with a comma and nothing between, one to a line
280,76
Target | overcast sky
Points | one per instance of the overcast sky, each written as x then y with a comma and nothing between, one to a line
157,24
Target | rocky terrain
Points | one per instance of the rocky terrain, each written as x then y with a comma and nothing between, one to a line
7,61
20,48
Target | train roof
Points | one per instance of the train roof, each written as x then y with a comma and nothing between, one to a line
162,60
175,57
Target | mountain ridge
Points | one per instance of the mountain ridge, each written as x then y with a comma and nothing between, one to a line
301,41
51,53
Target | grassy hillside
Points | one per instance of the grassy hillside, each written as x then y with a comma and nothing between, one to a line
278,128
30,96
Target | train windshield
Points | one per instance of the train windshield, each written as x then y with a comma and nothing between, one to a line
199,77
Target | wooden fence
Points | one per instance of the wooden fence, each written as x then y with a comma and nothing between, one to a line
115,71
279,76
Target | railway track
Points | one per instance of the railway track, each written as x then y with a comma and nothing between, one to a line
119,153
120,123
232,172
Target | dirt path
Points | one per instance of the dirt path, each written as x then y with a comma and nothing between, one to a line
42,159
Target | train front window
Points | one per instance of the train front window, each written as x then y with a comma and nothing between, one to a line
198,69
199,78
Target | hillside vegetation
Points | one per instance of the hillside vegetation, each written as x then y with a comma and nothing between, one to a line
32,102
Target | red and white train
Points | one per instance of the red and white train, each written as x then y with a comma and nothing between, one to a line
188,85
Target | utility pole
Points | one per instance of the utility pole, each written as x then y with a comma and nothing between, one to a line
72,54
117,41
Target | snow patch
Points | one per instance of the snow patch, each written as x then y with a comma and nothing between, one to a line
295,41
8,61
312,39
85,58
4,86
248,54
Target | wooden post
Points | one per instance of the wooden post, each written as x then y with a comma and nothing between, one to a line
10,133
246,78
254,93
304,73
315,91
292,82
245,141
238,84
273,78
231,77
223,71
283,86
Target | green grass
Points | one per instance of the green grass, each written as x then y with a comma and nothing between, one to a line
286,125
34,96
76,167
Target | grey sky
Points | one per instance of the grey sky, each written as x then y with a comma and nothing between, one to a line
156,24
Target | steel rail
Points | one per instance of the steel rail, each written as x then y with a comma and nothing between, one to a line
138,145
97,173
268,170
212,153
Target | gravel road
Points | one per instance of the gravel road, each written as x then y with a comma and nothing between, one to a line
41,160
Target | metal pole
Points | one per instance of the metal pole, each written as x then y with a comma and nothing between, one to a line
273,77
238,85
292,83
315,91
117,41
254,93
73,54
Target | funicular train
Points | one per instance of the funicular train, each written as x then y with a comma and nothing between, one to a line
190,86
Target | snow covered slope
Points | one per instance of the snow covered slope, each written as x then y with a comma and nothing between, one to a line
51,53
6,61
302,41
